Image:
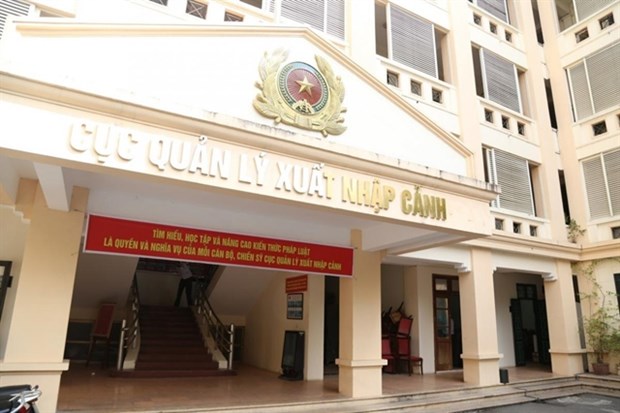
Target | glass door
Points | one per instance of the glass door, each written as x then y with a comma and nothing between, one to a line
447,318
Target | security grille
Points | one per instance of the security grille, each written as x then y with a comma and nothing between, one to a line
589,7
595,87
323,15
11,8
500,80
602,182
512,173
496,7
413,41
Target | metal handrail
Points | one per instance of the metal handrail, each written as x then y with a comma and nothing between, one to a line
129,334
224,336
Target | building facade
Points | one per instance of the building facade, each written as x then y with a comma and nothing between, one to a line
465,154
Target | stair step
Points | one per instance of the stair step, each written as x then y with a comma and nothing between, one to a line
173,373
172,349
176,365
174,357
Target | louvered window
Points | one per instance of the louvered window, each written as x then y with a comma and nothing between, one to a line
512,174
589,7
412,41
495,7
500,80
594,85
602,181
323,15
11,8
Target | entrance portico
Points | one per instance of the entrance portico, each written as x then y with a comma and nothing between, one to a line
174,162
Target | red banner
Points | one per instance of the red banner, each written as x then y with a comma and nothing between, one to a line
297,284
145,239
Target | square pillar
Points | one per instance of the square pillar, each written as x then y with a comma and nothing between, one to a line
35,341
480,349
565,346
359,359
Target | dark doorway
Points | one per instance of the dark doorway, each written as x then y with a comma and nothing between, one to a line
5,282
331,325
447,320
529,327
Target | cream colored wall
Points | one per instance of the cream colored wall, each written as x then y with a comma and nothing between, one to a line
101,279
392,286
197,88
267,322
505,289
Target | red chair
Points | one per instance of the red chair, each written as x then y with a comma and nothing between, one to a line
404,354
387,354
404,327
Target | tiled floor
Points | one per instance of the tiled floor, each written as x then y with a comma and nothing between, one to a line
92,389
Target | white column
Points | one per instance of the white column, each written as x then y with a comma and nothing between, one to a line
359,359
35,341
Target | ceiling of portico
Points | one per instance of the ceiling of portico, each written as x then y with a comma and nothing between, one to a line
175,204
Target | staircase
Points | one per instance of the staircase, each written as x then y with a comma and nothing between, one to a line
171,345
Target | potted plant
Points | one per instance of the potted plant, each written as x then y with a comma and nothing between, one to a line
602,325
603,337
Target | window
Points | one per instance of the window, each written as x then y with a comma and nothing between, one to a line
416,87
594,87
505,122
617,282
231,17
499,224
615,232
196,8
12,8
551,104
496,79
606,21
413,42
392,78
497,8
564,193
488,115
513,174
570,12
599,128
582,35
602,182
255,3
324,15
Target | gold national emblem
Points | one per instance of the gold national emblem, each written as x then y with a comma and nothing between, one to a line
300,95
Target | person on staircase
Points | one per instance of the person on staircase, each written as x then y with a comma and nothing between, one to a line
185,284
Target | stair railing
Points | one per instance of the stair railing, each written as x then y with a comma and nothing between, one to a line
129,334
224,336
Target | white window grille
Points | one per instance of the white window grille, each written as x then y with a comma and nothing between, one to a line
500,80
602,181
589,7
594,86
324,15
11,8
497,8
512,174
412,41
